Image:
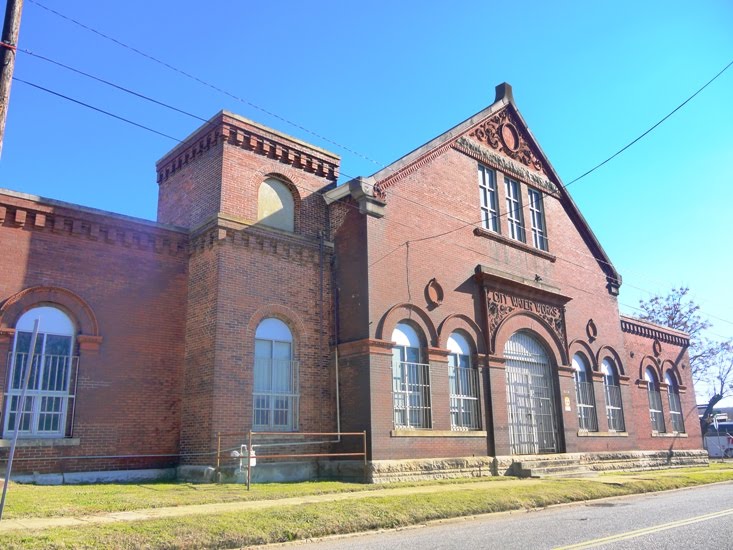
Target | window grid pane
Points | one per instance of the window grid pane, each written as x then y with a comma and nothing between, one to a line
655,409
539,233
410,392
587,419
276,392
675,409
49,398
614,410
515,223
487,192
463,382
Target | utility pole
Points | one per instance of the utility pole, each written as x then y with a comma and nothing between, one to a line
11,28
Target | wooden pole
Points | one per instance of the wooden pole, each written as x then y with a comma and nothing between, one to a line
11,28
20,409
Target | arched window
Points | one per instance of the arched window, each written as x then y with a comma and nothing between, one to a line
276,389
275,205
463,381
675,406
410,380
614,407
655,400
586,398
49,399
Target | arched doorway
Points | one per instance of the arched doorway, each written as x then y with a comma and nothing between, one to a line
530,396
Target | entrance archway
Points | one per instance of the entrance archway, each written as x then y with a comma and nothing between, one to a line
530,396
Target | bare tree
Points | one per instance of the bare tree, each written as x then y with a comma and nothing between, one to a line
679,311
711,361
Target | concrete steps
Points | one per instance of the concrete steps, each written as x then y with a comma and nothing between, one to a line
589,464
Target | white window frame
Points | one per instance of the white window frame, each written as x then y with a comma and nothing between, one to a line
537,211
584,394
411,393
656,413
489,198
514,215
675,405
463,385
276,387
614,403
49,405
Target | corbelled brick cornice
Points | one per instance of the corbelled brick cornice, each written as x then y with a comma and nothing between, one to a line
27,212
223,230
226,128
654,332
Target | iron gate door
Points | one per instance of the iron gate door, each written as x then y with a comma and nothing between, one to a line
530,396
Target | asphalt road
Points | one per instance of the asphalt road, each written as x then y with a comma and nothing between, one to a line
689,519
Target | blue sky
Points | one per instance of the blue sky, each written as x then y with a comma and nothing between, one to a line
381,78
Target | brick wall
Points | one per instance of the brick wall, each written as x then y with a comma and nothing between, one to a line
439,194
131,277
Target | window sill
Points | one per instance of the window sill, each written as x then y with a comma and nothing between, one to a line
480,232
42,442
602,434
436,433
669,434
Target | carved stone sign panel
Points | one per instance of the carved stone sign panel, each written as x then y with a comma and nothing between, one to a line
500,305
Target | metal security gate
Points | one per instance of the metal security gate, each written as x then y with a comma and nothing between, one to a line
530,396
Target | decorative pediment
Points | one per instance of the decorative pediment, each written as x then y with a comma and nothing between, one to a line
505,133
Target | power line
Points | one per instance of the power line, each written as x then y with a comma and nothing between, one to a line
406,243
565,186
142,96
142,126
112,84
197,79
204,82
88,106
653,127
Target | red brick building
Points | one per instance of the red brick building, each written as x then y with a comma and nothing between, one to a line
455,306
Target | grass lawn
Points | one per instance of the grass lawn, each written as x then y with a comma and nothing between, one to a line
283,523
34,501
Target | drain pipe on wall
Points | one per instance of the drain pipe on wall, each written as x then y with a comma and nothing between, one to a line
335,301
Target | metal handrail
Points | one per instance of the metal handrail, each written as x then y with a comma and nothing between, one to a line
249,447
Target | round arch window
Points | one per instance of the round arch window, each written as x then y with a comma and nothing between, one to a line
50,372
275,205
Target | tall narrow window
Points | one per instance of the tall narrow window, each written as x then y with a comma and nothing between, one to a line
655,401
614,407
539,231
515,221
487,190
463,380
276,394
587,419
675,406
49,399
410,380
